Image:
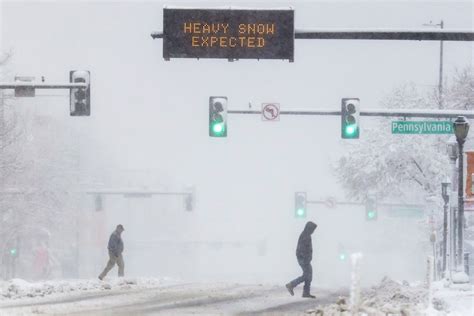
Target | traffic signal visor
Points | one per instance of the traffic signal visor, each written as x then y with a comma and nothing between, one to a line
350,118
218,116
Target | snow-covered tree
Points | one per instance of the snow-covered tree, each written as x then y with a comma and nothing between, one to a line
39,185
402,167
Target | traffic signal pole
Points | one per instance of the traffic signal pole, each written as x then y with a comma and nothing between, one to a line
38,85
139,193
415,35
79,86
426,113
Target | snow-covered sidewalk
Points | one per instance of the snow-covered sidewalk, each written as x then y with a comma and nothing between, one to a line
18,289
456,301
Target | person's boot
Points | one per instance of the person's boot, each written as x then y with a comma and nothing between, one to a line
290,288
307,295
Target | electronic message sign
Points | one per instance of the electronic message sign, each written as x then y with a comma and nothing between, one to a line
228,33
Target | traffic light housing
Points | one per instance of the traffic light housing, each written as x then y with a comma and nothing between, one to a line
342,253
370,209
218,116
80,98
300,205
189,202
99,203
350,118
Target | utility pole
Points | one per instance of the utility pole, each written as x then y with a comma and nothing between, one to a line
452,147
440,82
445,195
440,85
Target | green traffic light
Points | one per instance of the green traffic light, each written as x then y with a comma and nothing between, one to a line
13,251
342,256
371,214
350,130
300,212
218,128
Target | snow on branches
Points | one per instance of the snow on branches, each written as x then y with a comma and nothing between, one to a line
406,167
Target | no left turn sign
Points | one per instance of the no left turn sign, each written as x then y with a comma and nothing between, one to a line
270,112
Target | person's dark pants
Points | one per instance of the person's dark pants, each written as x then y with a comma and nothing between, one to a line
307,276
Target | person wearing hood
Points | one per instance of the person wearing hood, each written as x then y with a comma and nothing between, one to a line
304,254
115,248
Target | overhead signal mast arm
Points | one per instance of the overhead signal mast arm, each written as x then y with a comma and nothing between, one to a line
400,35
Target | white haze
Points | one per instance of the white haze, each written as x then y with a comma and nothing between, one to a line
149,129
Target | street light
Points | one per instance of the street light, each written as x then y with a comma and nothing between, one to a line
453,153
461,129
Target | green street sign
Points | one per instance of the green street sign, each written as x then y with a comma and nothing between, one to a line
405,211
422,127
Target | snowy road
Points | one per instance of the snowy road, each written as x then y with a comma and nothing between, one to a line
197,299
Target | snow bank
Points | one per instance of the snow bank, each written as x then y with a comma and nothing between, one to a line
386,298
457,301
393,298
18,288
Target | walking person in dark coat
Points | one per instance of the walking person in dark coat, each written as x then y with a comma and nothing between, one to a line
115,248
304,254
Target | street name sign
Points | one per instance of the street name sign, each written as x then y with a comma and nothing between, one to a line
405,211
422,127
228,33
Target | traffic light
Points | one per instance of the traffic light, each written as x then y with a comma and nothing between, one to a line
300,204
350,118
370,209
80,98
218,116
13,252
188,202
342,252
99,203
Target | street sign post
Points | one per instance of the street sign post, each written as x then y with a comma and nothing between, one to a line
228,33
422,127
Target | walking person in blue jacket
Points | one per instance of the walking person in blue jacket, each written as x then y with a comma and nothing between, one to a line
304,255
115,248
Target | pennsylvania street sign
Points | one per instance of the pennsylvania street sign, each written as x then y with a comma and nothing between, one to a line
228,33
422,127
